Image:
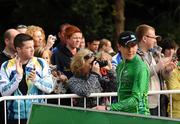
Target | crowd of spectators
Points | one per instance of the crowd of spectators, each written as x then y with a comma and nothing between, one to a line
32,65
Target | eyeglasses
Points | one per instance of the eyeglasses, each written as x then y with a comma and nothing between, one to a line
88,56
154,37
158,38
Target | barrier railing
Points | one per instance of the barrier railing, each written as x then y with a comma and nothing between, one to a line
71,96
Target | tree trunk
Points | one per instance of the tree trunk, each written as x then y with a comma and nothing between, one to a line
119,17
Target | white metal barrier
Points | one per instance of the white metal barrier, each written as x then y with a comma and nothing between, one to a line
71,96
55,96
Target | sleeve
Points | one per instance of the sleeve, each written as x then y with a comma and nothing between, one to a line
53,58
112,76
45,82
174,84
108,82
114,62
83,87
78,87
7,86
140,87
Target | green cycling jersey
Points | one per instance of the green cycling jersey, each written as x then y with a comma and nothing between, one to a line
133,79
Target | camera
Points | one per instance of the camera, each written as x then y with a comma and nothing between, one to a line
53,37
102,63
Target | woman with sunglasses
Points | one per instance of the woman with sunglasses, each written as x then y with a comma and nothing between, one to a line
86,77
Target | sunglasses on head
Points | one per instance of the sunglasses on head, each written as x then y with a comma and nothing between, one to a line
88,56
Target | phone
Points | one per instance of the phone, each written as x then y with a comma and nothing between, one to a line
34,68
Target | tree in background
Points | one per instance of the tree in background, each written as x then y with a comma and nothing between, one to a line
119,17
164,15
96,18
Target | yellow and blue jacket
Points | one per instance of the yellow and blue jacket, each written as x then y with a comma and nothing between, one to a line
9,85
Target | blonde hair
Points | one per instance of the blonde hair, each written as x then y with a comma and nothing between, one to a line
141,30
103,54
78,61
32,29
104,42
40,50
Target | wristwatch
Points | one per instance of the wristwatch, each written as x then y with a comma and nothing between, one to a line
108,108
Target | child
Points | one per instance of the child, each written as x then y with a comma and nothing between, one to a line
59,79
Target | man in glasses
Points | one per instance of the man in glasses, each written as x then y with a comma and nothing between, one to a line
132,78
147,40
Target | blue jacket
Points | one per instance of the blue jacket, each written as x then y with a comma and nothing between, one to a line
9,85
116,59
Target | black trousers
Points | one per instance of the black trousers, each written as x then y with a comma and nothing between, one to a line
164,105
2,111
154,111
23,121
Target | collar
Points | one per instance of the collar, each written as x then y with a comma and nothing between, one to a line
132,60
7,54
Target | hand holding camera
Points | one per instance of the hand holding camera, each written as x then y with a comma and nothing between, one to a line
96,67
50,41
102,63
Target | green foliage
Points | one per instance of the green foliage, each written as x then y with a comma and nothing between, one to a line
164,15
96,17
93,16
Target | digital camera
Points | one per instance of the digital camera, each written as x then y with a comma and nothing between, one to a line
102,63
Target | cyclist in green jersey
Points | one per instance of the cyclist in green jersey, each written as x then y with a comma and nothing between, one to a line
132,78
